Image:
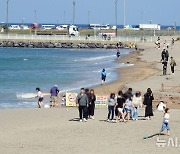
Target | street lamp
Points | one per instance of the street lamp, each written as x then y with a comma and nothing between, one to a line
7,16
74,7
89,16
124,13
116,1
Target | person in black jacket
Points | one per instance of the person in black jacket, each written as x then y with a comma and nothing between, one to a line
148,98
163,55
92,99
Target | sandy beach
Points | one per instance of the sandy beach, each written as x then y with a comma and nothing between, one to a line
54,131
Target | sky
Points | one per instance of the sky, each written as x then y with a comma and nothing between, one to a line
164,12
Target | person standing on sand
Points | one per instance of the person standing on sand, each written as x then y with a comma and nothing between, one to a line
120,106
82,104
172,42
164,67
92,99
127,95
128,108
54,96
103,76
111,107
148,98
165,124
167,55
172,64
137,103
40,97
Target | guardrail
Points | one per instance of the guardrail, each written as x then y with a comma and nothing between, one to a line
79,38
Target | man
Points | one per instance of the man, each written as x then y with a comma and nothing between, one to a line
163,55
54,96
103,76
167,55
82,103
172,64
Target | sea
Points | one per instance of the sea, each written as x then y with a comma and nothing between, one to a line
24,69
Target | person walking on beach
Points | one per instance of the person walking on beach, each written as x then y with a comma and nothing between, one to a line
111,107
165,124
82,104
148,98
167,55
128,108
164,67
172,42
118,54
120,106
92,99
172,64
163,55
103,76
54,96
137,103
40,97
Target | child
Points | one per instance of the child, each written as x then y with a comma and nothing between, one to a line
40,97
165,124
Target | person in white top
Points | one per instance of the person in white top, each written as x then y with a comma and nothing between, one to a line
137,103
40,97
161,106
165,124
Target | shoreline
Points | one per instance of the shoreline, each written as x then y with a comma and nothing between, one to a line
139,71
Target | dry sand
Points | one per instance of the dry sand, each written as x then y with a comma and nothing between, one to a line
57,131
53,131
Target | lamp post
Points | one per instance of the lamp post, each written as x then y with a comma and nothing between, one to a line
7,16
74,10
124,13
175,27
89,16
116,1
35,16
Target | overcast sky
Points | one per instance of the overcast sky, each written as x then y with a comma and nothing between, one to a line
164,12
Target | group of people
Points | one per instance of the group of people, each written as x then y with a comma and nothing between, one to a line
165,60
126,105
85,102
54,92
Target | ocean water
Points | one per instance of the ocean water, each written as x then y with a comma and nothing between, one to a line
22,70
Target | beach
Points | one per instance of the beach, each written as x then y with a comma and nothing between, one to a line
49,131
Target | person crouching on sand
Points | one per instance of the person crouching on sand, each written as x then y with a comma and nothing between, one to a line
111,107
82,104
40,97
165,124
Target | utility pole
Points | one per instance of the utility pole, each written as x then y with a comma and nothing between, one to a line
124,13
64,17
35,16
175,27
89,17
74,11
116,1
7,16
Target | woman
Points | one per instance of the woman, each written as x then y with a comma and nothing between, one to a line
137,103
111,106
119,106
128,106
148,98
40,97
92,99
